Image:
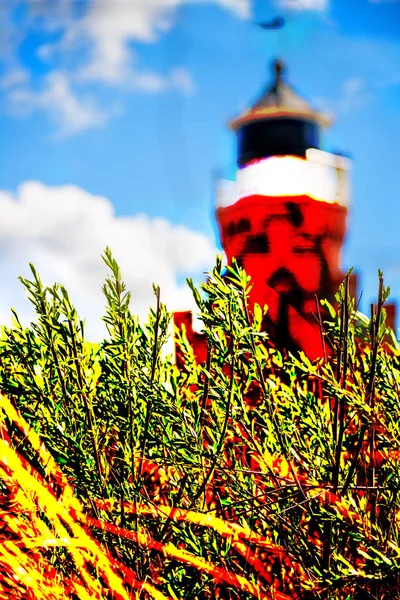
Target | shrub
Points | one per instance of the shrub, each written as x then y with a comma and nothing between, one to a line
256,474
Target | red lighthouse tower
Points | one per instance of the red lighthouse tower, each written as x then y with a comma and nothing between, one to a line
284,218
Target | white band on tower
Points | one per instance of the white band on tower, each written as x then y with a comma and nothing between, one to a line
321,176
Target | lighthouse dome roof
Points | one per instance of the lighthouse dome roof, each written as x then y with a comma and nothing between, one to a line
280,100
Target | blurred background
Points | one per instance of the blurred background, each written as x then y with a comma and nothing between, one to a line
114,127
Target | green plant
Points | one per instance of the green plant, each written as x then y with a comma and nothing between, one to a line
252,475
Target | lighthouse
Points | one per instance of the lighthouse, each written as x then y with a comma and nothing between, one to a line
284,216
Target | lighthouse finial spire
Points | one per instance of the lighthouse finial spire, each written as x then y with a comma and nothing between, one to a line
279,69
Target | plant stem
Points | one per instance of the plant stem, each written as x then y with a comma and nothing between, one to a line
370,387
152,375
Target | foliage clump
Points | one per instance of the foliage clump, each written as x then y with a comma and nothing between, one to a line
254,475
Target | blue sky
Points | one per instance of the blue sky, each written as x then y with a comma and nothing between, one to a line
114,120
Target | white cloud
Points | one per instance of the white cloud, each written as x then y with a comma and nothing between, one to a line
13,78
359,69
95,47
70,113
63,231
179,79
242,8
355,94
353,85
110,28
319,5
130,78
